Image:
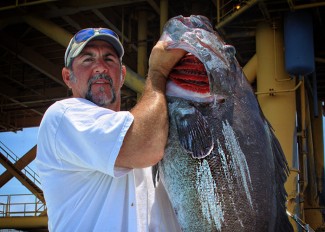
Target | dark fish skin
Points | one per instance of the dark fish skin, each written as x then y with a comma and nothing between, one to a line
223,169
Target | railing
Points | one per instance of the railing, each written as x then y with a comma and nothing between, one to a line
20,205
10,155
300,222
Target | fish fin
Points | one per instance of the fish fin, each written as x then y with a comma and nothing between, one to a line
155,174
281,174
194,133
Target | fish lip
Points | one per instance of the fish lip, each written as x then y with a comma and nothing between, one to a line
174,90
191,83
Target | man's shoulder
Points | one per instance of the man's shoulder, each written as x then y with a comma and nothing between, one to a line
65,104
68,102
57,109
81,110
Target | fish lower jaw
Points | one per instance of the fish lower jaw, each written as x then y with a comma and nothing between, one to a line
174,90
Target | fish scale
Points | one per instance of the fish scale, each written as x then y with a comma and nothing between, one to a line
223,168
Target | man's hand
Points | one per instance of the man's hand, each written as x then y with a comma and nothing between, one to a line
161,60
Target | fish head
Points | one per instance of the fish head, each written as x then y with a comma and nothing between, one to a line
195,35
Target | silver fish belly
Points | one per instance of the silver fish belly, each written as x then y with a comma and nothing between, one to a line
223,168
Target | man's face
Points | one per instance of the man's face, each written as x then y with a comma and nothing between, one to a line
97,75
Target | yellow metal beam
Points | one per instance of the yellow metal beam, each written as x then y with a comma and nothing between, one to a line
163,14
20,164
49,29
142,42
23,223
29,184
309,5
61,36
32,58
315,153
231,17
134,81
155,6
24,4
279,108
250,69
86,4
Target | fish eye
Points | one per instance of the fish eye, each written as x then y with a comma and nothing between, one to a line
221,100
231,50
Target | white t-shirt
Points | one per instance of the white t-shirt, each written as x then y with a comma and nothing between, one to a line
78,143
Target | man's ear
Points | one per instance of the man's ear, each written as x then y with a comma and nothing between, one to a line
123,74
66,76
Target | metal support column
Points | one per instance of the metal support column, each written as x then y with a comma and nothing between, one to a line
250,69
142,43
163,13
279,108
315,202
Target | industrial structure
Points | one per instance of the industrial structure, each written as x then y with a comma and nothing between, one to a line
279,43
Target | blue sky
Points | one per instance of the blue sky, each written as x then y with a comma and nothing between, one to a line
19,143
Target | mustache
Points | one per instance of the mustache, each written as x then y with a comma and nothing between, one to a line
89,95
100,76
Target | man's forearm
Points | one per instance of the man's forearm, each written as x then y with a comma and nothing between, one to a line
145,140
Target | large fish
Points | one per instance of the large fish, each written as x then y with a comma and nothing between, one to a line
223,169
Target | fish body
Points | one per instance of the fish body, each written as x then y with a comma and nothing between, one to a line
223,168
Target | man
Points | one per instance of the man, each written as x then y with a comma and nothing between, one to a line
89,152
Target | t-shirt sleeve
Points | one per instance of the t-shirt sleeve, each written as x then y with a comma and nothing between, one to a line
90,137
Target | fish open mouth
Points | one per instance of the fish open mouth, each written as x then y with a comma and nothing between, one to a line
190,74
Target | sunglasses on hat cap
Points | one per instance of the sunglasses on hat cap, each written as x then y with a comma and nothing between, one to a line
82,37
